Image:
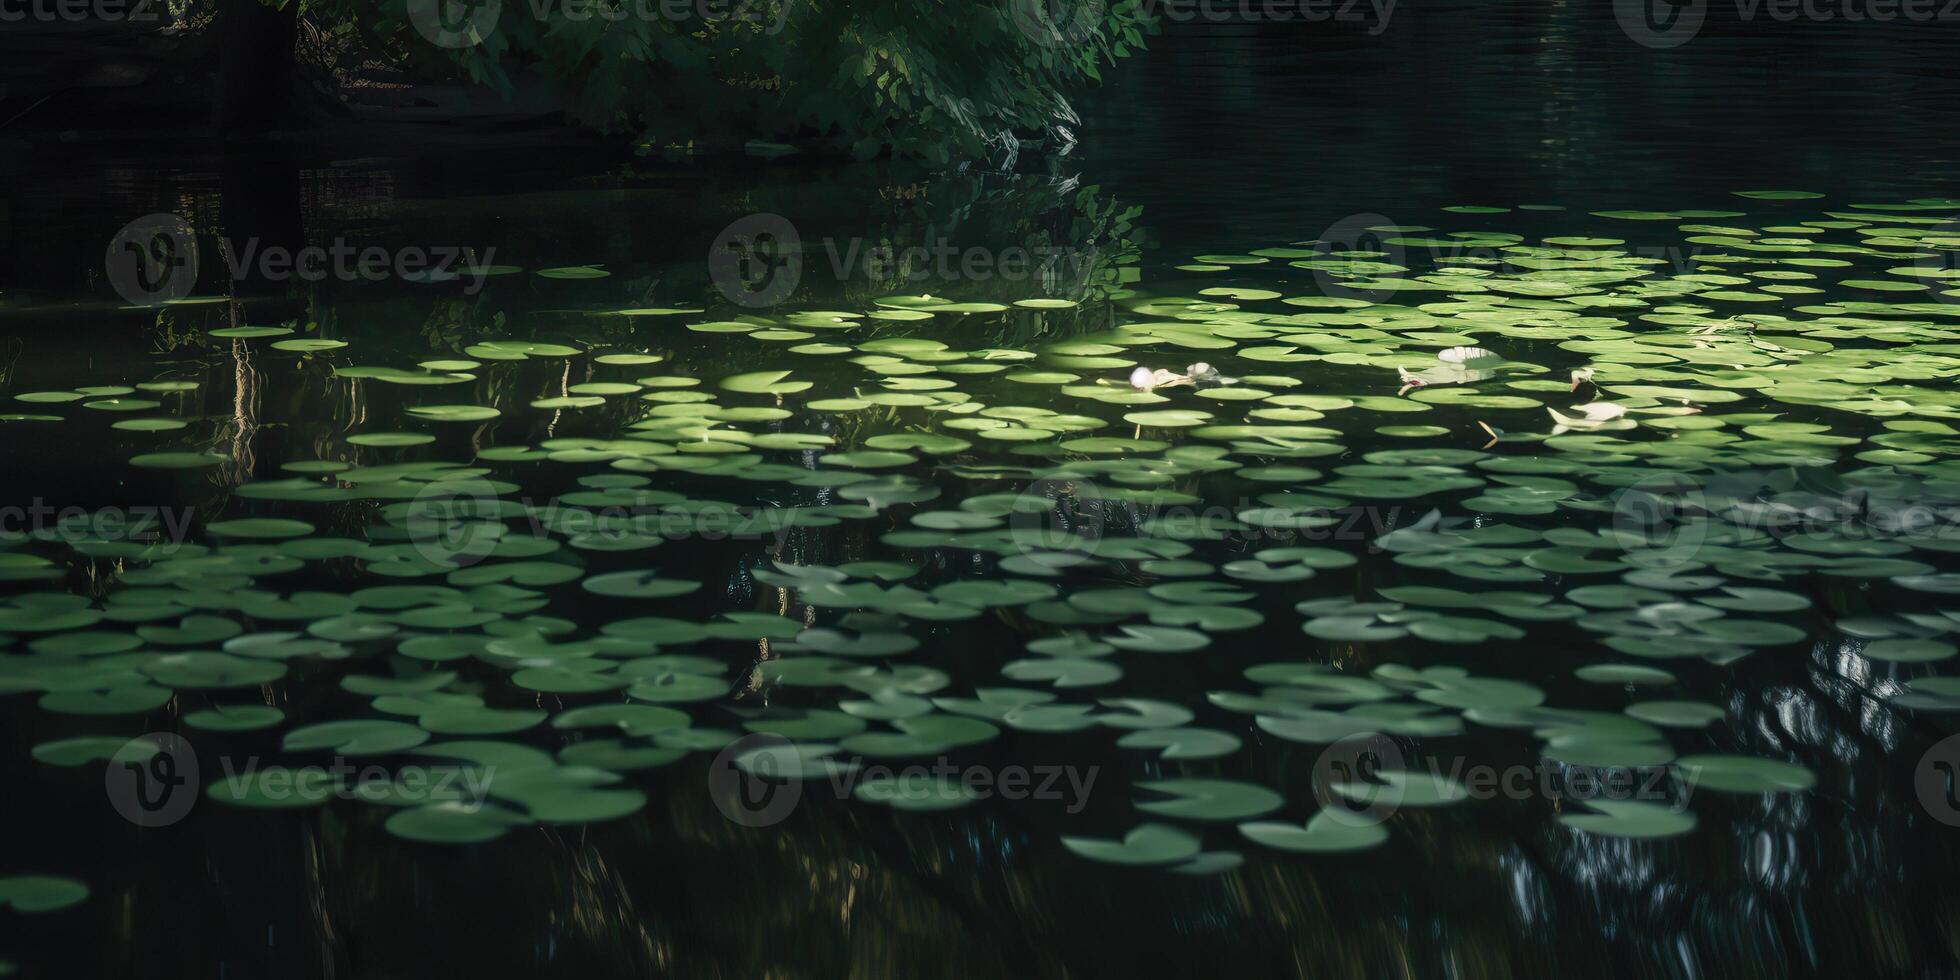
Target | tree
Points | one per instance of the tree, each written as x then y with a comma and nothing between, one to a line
936,80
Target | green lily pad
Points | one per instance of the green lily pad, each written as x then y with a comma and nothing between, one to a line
366,737
1324,834
1148,844
1209,799
41,893
1630,818
1743,774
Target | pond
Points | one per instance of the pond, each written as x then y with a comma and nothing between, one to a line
1476,497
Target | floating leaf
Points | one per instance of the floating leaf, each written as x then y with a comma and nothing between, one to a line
1149,843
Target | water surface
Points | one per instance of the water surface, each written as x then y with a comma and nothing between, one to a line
1762,536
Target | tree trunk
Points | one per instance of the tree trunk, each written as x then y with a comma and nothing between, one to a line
255,91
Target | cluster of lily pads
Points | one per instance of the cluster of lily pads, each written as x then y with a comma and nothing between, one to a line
1568,445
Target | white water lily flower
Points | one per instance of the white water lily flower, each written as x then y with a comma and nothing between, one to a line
1459,365
1144,379
1468,355
1593,415
1204,374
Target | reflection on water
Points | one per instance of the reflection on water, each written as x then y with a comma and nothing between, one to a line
1246,141
1232,132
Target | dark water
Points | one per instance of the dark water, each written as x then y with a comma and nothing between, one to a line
1228,138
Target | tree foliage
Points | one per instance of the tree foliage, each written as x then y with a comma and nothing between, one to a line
937,80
